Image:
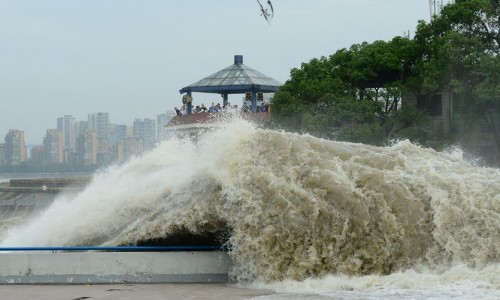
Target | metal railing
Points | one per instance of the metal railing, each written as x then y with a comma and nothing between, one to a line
116,248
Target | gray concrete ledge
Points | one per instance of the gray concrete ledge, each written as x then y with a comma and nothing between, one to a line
113,267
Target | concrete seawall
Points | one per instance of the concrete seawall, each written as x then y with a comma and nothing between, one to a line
45,185
21,199
113,267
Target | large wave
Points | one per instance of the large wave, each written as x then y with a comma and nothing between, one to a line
293,206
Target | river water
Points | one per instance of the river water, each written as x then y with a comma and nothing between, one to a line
306,217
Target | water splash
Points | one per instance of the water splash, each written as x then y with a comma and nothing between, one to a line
296,206
458,282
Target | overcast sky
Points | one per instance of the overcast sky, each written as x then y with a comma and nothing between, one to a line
130,58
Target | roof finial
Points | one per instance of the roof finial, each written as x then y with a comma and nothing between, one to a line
238,59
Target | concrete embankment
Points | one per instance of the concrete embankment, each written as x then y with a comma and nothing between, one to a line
21,198
113,267
48,185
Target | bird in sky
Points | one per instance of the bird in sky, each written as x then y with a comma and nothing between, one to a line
271,6
265,11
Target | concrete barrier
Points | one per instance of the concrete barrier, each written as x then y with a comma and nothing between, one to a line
113,267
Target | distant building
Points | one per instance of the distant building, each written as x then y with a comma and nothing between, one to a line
103,154
133,147
145,130
3,154
67,125
86,147
53,145
15,147
438,107
37,154
99,123
127,148
161,121
118,150
117,132
81,126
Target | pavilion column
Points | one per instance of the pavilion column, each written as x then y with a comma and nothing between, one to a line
190,104
254,101
224,99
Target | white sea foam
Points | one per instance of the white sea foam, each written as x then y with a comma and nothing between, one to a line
458,282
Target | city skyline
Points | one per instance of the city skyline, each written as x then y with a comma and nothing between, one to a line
57,120
94,142
131,58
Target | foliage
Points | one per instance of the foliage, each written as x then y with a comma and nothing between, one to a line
461,49
354,95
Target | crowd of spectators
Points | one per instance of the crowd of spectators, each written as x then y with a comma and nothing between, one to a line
216,108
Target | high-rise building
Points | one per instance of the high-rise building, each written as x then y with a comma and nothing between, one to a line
67,125
38,154
99,122
53,146
161,121
3,154
81,126
15,147
145,130
126,148
117,132
103,154
132,147
119,150
86,147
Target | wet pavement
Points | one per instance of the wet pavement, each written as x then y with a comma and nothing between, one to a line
129,291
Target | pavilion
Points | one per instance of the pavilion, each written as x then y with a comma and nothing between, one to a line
235,79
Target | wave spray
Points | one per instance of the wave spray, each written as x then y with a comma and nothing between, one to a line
293,206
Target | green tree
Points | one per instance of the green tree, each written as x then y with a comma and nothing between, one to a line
353,95
460,49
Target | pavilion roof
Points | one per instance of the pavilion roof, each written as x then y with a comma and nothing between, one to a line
235,79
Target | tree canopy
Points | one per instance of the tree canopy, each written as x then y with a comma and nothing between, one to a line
461,49
356,94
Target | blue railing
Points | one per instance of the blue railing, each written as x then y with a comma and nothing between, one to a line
116,248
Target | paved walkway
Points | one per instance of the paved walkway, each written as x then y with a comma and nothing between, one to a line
128,291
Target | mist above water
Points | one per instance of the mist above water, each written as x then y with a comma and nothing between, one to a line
295,206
